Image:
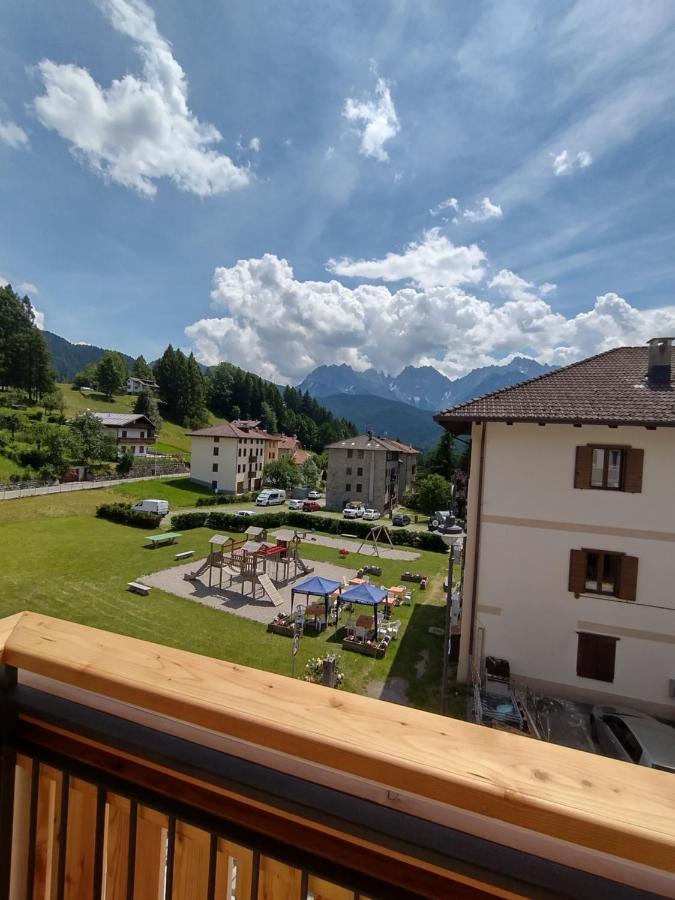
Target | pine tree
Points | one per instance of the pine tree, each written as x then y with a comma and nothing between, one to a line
142,370
111,374
147,406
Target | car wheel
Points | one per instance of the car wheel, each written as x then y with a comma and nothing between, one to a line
435,523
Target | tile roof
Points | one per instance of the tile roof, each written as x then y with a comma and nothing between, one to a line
368,442
228,430
610,388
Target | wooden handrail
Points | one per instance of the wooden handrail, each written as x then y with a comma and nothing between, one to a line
590,801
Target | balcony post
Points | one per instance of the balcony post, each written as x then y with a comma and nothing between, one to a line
7,775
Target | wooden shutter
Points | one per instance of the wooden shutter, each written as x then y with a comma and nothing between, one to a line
605,657
632,479
577,579
582,467
586,656
628,570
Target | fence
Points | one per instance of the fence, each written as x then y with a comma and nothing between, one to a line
37,488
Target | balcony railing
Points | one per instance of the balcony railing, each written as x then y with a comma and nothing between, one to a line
130,770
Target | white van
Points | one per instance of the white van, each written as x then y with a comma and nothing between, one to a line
270,497
158,507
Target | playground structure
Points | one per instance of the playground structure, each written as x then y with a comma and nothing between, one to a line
259,564
376,533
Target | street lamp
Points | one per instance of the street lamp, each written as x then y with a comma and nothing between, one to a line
454,542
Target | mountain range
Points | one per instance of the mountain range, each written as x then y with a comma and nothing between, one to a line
68,359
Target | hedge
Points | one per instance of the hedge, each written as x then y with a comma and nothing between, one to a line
125,515
223,499
422,540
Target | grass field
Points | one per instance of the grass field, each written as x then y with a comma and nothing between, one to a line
180,492
60,560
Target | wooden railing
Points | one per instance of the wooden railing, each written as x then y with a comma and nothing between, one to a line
130,770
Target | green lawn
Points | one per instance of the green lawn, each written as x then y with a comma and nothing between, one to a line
60,560
180,492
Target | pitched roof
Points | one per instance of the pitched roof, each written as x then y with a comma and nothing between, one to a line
288,443
301,456
608,389
371,442
119,420
228,430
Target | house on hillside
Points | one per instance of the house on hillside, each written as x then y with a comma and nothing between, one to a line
230,458
133,433
291,448
570,562
377,471
138,386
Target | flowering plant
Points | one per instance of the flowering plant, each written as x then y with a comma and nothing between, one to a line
314,670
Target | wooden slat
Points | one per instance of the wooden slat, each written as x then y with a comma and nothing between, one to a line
577,797
20,828
277,881
80,842
191,862
47,836
150,855
234,870
325,890
116,848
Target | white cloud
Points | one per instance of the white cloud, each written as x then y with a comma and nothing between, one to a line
39,318
254,144
432,261
12,135
138,129
330,152
27,287
563,163
450,203
380,122
272,323
3,281
483,211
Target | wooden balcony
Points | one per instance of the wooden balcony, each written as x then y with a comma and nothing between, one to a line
132,770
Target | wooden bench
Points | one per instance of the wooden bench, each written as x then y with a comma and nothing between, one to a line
138,588
167,537
186,554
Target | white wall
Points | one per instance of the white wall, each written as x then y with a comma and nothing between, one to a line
202,460
529,616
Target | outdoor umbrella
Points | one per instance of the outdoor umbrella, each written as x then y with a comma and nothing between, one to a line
367,594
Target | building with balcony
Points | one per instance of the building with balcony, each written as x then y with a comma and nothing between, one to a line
139,385
230,458
570,569
376,471
132,432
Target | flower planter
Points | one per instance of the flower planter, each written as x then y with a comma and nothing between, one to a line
286,630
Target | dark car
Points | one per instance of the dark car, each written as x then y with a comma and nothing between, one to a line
400,519
443,521
310,506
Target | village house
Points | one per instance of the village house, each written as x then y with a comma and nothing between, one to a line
138,386
133,433
291,448
376,471
230,458
570,561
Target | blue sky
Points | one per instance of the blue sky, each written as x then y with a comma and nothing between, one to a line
284,185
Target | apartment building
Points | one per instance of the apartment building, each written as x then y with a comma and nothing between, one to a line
230,457
570,565
133,433
377,471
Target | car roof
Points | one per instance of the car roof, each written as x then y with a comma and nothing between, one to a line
657,739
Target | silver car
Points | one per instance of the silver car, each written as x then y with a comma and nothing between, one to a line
634,736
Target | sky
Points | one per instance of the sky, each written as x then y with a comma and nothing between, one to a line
285,185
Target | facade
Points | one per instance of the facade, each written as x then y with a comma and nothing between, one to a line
137,385
134,433
570,569
377,471
230,458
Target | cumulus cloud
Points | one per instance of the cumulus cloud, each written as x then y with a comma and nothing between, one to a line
450,203
12,135
138,129
254,144
377,118
268,321
563,163
432,261
483,211
27,287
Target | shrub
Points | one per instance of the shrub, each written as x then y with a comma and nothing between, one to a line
224,499
185,521
232,522
125,515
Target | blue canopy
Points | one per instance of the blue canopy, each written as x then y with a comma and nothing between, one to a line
317,586
369,594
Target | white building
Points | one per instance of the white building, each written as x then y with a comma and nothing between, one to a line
230,457
134,433
138,385
570,564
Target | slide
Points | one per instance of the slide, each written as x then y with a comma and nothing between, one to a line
190,576
270,591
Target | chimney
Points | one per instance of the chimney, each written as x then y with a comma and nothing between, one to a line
658,369
370,434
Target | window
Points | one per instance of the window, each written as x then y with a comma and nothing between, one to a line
603,572
215,467
216,450
214,485
624,736
596,656
359,488
361,452
124,434
348,488
609,468
350,453
142,434
216,440
348,470
359,471
141,449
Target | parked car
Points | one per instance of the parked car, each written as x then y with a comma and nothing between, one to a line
310,506
371,514
270,497
354,511
314,495
634,736
400,519
245,513
158,507
295,504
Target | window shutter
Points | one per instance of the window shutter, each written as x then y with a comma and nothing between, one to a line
605,658
582,467
632,481
577,579
628,578
586,656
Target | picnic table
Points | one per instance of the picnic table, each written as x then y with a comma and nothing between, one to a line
357,581
397,592
166,537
